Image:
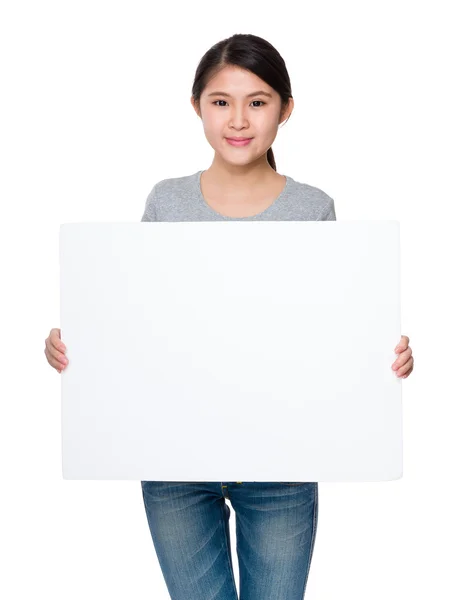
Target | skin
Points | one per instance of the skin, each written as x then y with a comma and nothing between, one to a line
242,176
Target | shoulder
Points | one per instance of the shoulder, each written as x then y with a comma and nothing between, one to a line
174,183
320,204
166,186
166,190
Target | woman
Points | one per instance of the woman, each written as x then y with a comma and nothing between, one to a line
242,93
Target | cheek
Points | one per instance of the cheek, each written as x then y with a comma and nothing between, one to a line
212,132
270,125
264,126
213,120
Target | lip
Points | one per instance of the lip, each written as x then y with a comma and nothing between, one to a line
238,141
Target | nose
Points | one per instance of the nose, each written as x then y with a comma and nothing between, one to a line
239,118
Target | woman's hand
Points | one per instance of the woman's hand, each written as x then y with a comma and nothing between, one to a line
55,350
403,365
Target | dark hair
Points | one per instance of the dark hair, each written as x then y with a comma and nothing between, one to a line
249,52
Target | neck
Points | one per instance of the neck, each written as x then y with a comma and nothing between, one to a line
240,177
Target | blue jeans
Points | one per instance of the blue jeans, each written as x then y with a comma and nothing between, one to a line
276,525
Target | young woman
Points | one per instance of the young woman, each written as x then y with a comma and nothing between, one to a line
241,92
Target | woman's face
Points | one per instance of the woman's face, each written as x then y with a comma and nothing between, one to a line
239,112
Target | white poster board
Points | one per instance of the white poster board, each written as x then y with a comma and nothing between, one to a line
231,351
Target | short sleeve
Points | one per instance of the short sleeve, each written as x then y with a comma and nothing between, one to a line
331,213
150,213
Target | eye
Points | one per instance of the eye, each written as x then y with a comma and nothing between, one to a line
260,102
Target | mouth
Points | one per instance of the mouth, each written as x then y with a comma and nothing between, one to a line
238,141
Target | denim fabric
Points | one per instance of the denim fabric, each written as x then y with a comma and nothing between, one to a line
276,525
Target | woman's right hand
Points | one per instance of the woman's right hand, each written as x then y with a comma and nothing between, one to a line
55,350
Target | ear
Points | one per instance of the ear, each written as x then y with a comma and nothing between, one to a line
195,106
287,111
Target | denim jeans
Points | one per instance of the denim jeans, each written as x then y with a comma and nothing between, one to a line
276,525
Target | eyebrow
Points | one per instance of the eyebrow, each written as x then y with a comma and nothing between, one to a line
259,93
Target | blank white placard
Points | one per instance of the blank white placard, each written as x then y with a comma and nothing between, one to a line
231,351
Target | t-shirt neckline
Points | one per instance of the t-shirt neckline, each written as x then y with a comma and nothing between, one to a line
276,202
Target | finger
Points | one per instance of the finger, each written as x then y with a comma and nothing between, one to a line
54,353
55,338
55,363
401,350
404,368
402,359
403,344
407,373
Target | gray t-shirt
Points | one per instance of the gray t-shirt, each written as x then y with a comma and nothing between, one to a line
181,199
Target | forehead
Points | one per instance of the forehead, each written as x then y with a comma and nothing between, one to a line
235,79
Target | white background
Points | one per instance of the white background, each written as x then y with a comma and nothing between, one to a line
94,111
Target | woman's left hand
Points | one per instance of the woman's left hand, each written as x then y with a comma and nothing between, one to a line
403,365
